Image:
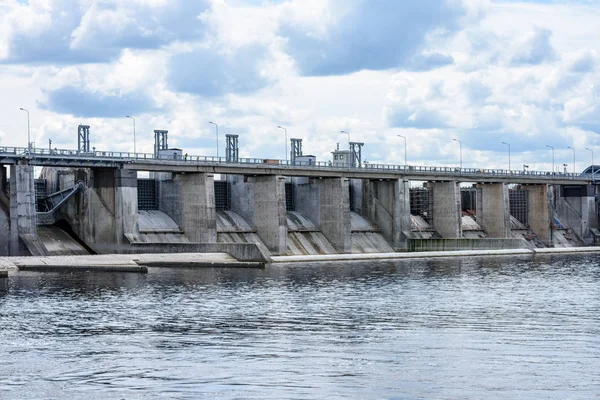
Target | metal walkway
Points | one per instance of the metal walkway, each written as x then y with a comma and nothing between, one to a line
255,166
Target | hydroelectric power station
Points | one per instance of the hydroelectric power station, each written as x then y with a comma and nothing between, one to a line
86,201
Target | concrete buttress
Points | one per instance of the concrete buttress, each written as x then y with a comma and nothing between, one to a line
539,212
22,204
387,204
269,211
326,202
447,215
197,205
493,209
260,200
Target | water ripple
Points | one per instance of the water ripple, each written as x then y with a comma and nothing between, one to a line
506,327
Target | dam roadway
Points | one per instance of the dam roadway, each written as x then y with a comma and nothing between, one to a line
262,167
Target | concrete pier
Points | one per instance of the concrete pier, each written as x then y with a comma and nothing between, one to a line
493,209
539,213
126,203
198,216
387,204
260,200
447,215
22,206
117,189
326,203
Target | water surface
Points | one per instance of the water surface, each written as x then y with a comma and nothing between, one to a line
463,328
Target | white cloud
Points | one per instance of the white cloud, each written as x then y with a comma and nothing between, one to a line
475,70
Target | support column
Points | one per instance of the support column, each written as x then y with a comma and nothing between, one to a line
326,202
387,204
197,205
269,215
493,209
447,215
22,204
539,212
112,209
334,210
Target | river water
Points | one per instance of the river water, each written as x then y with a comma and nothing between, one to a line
462,328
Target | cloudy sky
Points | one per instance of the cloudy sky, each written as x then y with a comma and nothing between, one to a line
484,72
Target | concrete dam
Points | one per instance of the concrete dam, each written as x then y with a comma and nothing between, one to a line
104,210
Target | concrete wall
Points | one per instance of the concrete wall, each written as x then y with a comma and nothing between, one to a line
387,204
241,198
105,211
357,195
126,202
447,215
465,244
197,205
240,251
4,214
260,200
493,209
325,202
22,205
575,208
539,213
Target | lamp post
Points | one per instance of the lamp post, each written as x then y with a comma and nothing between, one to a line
133,119
347,133
508,144
569,147
404,149
592,151
460,150
286,152
28,131
217,134
552,158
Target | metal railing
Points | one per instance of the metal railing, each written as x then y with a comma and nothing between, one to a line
177,159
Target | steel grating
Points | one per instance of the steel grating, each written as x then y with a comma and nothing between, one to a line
518,204
468,199
221,195
421,203
147,194
290,204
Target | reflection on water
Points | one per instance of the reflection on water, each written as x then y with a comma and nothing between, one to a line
461,328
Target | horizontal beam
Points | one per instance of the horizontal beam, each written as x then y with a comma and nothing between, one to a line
250,167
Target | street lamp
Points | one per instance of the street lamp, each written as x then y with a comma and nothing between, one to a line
286,153
347,133
552,157
569,147
592,151
508,144
460,149
28,131
133,119
217,133
404,149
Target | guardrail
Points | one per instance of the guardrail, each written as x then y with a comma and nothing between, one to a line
61,154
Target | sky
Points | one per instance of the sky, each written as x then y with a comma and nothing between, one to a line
494,75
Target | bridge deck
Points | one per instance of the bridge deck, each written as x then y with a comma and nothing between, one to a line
253,166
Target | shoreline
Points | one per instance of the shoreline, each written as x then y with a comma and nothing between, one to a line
140,263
